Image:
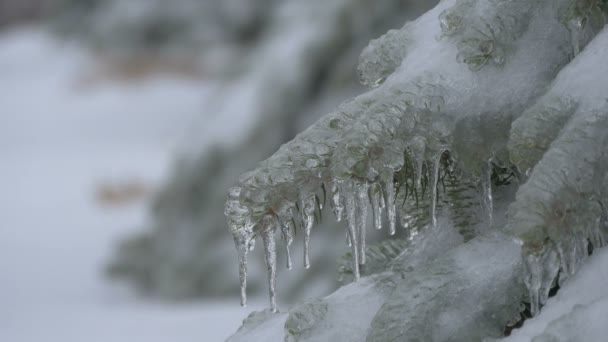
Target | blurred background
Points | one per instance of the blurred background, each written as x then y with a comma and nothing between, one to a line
122,125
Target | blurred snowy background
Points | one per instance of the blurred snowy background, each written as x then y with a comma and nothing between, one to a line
122,125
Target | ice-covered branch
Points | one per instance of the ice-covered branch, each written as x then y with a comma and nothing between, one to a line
561,209
471,66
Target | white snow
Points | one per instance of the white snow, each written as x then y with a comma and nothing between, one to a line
58,142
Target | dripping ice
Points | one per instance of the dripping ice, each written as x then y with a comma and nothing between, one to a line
351,202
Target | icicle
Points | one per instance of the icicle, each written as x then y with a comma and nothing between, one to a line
351,218
550,265
541,269
571,251
362,209
318,210
287,229
322,204
348,243
575,26
308,219
243,274
418,176
596,236
561,252
389,192
376,199
418,148
337,202
270,256
433,189
239,222
532,279
487,202
582,247
570,259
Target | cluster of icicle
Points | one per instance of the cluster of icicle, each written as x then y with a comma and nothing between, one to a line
350,159
350,197
352,165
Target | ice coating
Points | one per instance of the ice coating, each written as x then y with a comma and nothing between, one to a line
442,97
381,57
486,31
453,297
536,128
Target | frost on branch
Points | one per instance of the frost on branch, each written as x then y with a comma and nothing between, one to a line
471,69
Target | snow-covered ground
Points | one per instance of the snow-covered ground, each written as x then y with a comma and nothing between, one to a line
60,142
